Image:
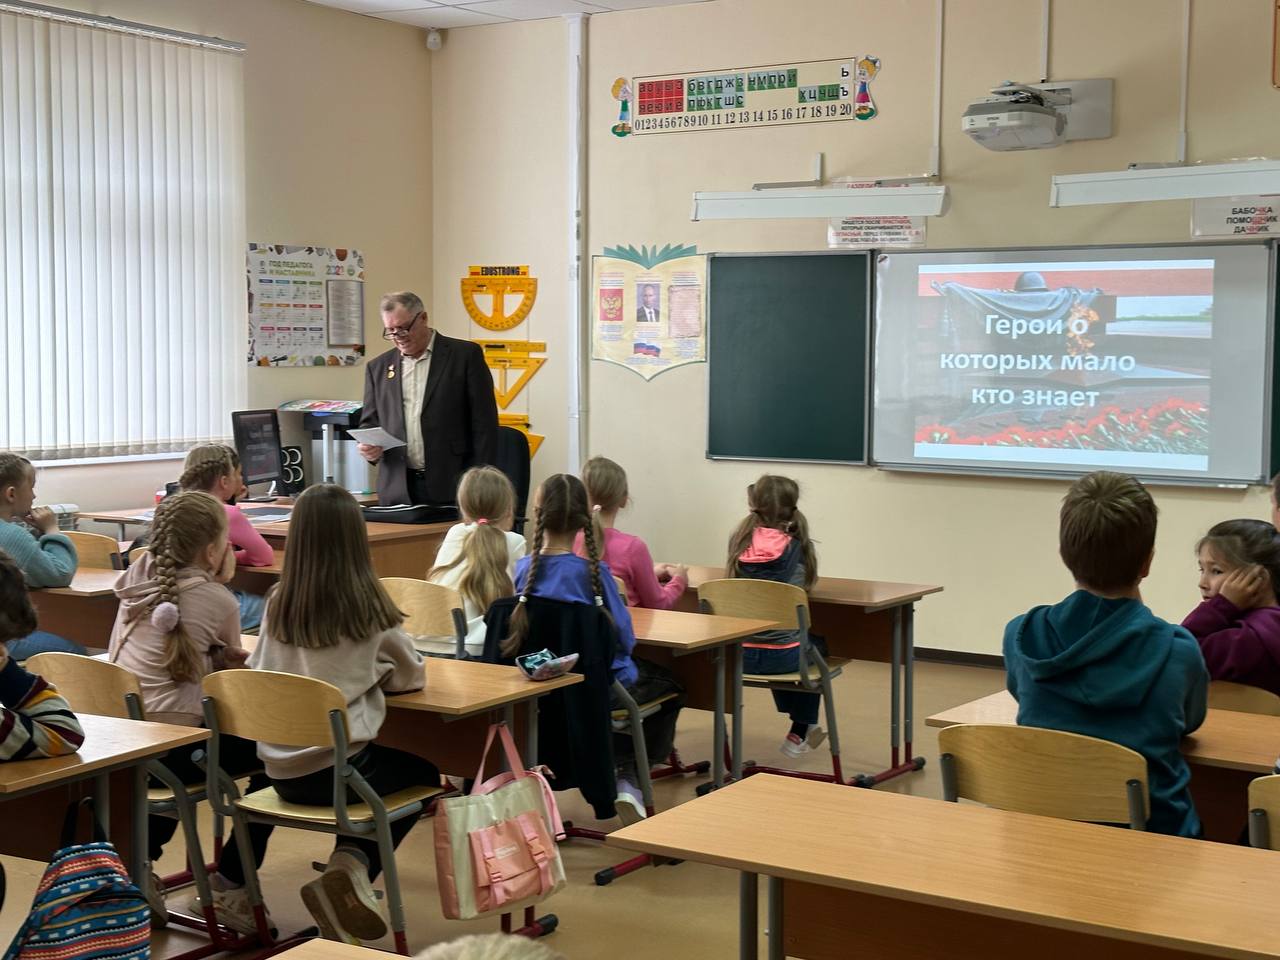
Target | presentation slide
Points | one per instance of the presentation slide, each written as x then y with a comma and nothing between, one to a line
1152,361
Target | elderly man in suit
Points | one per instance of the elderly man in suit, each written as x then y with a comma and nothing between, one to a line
436,393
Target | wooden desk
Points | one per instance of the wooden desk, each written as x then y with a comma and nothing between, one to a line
865,620
398,549
695,647
972,883
320,949
85,611
35,793
1228,751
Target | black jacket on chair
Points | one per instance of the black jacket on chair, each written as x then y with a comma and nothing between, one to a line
574,734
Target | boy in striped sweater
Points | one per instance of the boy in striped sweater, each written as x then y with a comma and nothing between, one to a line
34,720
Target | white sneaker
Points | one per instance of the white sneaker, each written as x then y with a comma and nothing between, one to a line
347,887
795,747
629,804
321,908
154,893
232,909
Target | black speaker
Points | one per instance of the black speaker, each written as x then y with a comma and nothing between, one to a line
293,482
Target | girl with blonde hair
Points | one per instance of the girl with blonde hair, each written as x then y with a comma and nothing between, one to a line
330,618
177,623
478,556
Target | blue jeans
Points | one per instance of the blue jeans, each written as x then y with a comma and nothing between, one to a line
42,642
251,607
800,705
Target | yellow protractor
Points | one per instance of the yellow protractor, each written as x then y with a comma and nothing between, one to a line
498,288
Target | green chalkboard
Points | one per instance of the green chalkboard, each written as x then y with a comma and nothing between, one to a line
788,351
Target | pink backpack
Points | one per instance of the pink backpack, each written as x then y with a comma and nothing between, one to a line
496,847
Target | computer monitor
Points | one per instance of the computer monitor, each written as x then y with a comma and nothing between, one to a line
257,438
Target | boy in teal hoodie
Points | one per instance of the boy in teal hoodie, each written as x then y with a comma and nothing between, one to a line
1100,663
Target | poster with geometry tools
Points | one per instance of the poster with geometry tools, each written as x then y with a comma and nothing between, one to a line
808,92
648,308
306,305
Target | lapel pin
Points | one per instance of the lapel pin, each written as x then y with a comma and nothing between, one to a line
391,373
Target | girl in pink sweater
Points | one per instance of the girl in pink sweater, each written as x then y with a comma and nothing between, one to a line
656,586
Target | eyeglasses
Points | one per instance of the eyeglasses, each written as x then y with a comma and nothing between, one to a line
400,333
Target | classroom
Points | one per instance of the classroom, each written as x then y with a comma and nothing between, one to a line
534,174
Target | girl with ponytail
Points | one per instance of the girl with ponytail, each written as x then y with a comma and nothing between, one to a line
177,623
552,570
478,556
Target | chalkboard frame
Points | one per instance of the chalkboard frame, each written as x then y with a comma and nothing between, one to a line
868,256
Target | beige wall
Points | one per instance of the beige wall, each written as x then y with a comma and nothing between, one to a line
992,543
337,152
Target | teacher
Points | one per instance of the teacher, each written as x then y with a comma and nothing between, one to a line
437,394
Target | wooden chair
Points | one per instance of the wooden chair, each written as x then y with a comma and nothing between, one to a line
298,711
1264,813
90,685
433,611
1241,698
136,554
622,590
1049,773
788,605
95,550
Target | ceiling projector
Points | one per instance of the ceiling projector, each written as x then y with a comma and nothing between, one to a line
1017,117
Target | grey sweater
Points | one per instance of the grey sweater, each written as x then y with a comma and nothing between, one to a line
362,669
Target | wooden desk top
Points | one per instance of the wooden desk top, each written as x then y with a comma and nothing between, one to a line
1235,741
108,743
460,688
377,531
319,949
687,632
1132,886
88,582
870,594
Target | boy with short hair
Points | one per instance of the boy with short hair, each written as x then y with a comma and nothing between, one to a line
1100,663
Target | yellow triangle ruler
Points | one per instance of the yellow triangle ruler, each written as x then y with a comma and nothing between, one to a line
507,355
521,422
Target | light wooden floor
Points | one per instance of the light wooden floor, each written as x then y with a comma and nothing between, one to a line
685,911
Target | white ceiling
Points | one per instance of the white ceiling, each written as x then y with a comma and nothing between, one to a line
469,13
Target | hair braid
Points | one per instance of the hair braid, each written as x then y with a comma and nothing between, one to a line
519,625
593,560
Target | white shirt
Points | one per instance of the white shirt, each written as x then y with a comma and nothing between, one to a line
413,386
648,314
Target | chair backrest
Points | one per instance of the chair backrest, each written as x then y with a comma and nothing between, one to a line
1046,772
95,550
1264,813
274,707
136,553
88,685
512,458
756,600
1224,695
622,590
428,607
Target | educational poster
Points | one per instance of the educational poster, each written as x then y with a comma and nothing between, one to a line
1235,217
865,233
649,308
306,305
808,92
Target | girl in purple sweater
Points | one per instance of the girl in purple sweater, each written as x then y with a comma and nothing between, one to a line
1238,623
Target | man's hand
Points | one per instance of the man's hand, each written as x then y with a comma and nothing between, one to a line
370,452
1243,586
44,519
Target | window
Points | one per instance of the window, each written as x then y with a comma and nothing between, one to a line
121,236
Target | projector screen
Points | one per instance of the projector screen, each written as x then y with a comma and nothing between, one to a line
1153,361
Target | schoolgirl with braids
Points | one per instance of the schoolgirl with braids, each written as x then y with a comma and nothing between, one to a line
554,571
772,543
177,623
1237,623
478,556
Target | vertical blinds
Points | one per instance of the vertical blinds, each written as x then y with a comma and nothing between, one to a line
121,239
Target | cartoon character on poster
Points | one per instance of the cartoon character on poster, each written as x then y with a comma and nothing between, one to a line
622,93
866,71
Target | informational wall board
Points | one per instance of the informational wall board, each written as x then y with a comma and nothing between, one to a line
1236,217
806,92
649,308
306,305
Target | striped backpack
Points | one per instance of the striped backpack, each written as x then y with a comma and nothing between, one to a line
86,907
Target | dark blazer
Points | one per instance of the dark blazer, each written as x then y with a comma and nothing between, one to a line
459,418
641,318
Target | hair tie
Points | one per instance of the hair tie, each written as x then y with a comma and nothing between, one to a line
595,508
599,600
482,520
523,599
165,617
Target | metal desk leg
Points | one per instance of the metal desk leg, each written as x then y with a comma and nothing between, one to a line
102,800
895,688
776,950
909,660
748,921
901,700
737,712
139,847
531,733
717,721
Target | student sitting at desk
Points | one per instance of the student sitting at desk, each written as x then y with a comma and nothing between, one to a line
656,586
48,560
1100,663
330,618
1238,623
34,720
